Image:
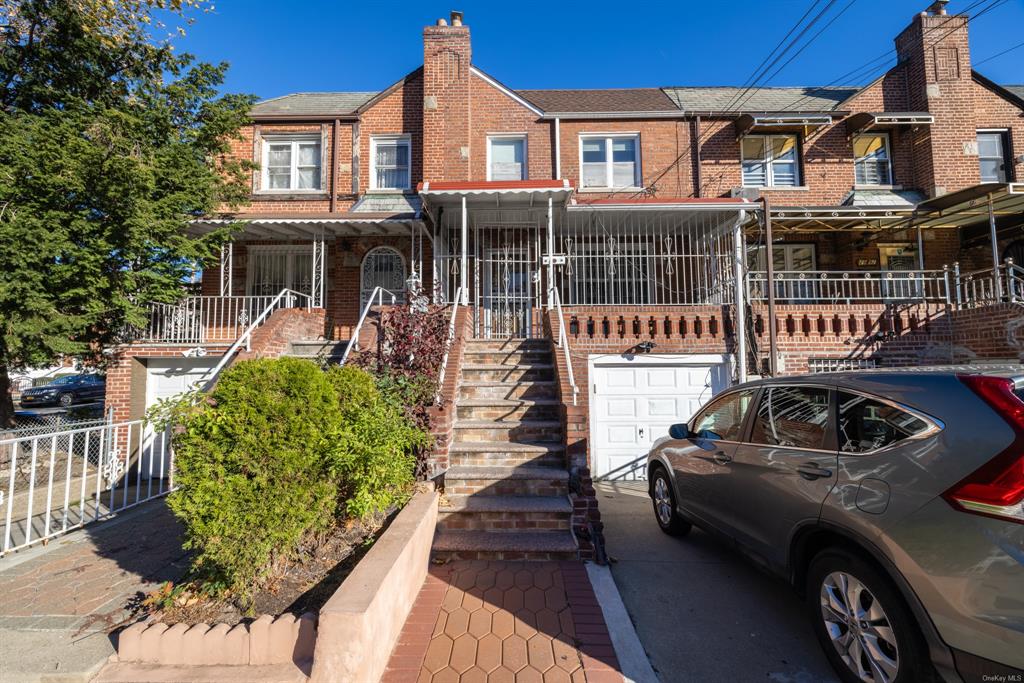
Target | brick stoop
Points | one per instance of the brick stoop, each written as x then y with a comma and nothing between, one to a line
507,487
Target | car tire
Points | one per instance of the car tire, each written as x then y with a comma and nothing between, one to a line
886,636
66,400
664,501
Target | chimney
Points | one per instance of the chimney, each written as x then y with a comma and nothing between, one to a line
446,111
935,56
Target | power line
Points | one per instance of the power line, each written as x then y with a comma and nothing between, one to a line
999,54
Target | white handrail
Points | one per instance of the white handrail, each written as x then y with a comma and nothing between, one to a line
377,292
563,341
246,337
448,345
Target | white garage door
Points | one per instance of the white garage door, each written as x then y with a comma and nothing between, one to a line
634,402
165,378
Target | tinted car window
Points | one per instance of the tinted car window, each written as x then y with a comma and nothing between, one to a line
791,416
866,424
723,417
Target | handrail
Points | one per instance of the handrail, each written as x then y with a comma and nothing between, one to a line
448,345
563,341
377,292
246,337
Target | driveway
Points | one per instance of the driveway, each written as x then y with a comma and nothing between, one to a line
702,612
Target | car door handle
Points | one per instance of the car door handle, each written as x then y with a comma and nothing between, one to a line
721,457
811,472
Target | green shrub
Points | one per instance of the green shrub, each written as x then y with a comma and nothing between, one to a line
279,450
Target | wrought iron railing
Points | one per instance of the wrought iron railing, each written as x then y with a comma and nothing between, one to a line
989,285
205,319
563,343
378,295
844,287
456,302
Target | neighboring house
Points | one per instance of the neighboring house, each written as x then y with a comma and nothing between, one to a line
632,205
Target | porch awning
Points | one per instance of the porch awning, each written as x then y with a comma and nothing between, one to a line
837,218
969,209
780,122
864,121
491,192
309,226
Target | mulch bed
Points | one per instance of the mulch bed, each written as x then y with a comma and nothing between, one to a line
303,584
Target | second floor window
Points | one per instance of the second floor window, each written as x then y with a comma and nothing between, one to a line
389,163
610,161
871,159
770,161
506,158
992,156
291,163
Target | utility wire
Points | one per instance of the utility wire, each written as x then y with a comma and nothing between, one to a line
999,54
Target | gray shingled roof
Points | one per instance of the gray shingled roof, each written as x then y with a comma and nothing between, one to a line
1017,90
762,100
312,104
600,101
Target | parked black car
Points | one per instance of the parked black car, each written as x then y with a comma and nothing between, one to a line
66,391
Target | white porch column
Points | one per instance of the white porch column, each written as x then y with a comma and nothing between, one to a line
997,280
738,266
551,253
464,270
226,268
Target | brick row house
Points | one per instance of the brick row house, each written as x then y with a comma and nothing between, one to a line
615,257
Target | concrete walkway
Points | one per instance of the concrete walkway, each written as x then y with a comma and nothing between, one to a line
61,601
491,621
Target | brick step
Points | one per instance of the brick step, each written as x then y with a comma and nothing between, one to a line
528,356
507,373
329,350
505,514
506,409
519,480
523,390
507,345
505,454
507,430
521,545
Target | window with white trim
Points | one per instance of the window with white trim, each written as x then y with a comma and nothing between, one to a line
611,161
506,157
871,160
770,161
291,163
992,155
390,158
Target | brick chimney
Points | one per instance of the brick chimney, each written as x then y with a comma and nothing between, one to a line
936,58
446,116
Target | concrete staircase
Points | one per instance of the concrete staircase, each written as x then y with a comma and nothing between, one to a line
506,490
331,351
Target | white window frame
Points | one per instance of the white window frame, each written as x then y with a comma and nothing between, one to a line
1004,143
491,137
888,160
402,139
609,164
769,161
295,141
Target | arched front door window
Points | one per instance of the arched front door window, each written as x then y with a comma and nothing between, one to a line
383,267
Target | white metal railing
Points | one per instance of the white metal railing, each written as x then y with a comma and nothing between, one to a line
63,480
839,287
989,285
448,345
286,298
563,342
378,294
202,319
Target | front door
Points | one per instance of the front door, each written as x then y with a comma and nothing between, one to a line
507,280
782,473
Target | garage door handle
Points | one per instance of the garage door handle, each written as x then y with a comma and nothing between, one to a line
811,472
722,458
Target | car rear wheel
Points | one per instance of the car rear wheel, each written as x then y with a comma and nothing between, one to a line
862,623
66,400
664,501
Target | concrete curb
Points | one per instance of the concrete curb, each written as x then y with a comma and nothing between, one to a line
632,659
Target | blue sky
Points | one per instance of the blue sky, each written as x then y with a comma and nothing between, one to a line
275,48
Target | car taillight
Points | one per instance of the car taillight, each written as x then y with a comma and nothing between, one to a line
996,489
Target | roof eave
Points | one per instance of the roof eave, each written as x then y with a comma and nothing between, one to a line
301,118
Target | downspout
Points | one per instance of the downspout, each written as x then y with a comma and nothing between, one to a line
558,149
336,126
698,182
770,278
740,304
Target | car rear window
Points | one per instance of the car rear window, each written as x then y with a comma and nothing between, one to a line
867,424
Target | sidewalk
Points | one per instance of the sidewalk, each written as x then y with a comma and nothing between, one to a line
480,621
61,601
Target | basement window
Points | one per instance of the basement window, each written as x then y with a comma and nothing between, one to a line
770,161
871,160
291,164
611,162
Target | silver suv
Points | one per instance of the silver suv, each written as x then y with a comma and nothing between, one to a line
893,500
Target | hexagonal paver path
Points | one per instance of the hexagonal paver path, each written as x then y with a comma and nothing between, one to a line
491,621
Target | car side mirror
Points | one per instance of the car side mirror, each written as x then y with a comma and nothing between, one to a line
679,431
